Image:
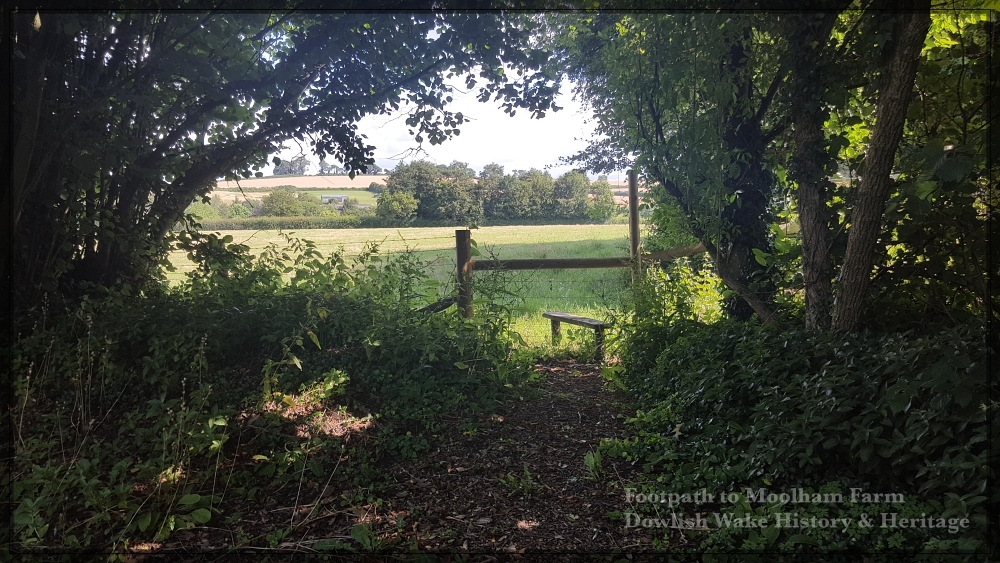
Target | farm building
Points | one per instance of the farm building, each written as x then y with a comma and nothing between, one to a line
338,199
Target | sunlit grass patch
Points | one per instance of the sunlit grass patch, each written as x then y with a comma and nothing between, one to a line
585,292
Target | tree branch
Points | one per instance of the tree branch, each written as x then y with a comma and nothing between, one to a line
260,34
768,97
778,129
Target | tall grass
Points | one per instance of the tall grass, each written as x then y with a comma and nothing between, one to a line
580,291
139,415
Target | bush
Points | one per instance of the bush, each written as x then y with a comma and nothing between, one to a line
239,211
602,203
220,206
280,203
202,211
127,402
351,206
396,205
729,405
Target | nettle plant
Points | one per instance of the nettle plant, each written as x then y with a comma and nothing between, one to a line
108,437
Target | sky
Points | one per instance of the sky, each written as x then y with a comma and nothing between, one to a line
490,135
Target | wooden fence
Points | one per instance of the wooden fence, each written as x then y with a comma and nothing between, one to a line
466,265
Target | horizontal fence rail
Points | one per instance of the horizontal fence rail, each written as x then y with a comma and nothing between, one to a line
570,263
466,265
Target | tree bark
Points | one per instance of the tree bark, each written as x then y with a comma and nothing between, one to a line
725,265
30,107
896,86
749,213
810,164
814,220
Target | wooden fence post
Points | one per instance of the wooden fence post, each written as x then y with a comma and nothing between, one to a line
633,224
463,254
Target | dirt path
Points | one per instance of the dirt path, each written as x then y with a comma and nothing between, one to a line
517,481
513,482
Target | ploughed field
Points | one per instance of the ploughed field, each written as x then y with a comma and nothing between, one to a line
302,182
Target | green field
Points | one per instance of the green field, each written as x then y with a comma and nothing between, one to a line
362,195
580,291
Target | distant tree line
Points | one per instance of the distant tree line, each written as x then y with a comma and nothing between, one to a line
282,201
299,166
454,193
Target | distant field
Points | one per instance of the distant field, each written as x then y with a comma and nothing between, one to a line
317,185
574,291
438,243
339,182
363,196
359,182
230,191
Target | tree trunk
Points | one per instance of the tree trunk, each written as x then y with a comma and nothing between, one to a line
28,117
810,163
725,264
814,219
731,273
749,213
896,85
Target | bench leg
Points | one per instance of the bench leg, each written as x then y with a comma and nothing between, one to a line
556,332
599,345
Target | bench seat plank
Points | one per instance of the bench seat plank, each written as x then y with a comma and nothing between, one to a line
576,320
598,326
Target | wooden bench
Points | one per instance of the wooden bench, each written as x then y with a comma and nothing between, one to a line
598,326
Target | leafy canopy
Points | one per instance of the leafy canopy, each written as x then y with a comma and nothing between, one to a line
121,119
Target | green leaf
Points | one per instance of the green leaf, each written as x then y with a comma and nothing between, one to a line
954,169
771,534
939,374
363,535
932,153
201,515
899,398
144,521
962,395
315,339
189,499
925,188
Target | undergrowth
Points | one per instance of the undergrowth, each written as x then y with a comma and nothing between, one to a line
140,413
730,407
